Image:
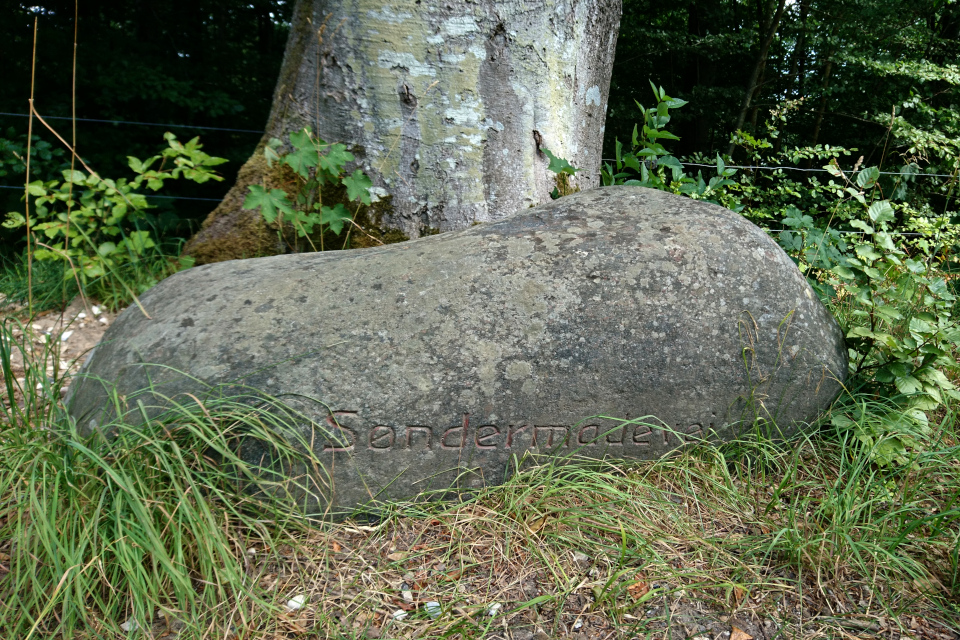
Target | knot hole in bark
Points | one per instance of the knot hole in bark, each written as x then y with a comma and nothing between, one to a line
407,96
498,40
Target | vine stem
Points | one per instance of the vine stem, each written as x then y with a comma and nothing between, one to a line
26,186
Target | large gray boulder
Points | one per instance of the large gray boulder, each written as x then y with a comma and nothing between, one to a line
453,355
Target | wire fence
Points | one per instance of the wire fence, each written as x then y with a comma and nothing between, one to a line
142,124
206,128
810,170
148,195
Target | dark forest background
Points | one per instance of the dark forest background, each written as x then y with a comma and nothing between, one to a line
878,76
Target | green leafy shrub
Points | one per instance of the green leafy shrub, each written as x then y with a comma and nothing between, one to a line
897,308
45,159
99,226
648,163
317,165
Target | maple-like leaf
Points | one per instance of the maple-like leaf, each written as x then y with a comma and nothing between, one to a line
269,202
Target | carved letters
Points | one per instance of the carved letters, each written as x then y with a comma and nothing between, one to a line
613,435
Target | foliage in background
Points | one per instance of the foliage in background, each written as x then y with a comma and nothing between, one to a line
898,311
45,159
203,63
318,167
647,163
852,68
100,228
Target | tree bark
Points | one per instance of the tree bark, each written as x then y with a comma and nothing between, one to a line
443,105
752,83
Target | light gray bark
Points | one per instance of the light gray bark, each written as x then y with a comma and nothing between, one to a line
444,101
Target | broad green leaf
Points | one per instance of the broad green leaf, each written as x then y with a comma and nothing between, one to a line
920,326
863,226
881,211
14,220
889,312
908,385
656,134
135,164
106,248
74,176
844,272
867,177
885,241
334,217
302,161
358,186
335,159
867,252
139,241
900,369
884,375
559,165
269,202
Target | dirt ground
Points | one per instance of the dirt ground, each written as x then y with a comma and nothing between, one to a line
60,339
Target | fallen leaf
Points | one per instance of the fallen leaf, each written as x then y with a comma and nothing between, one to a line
639,588
537,524
336,546
405,606
736,633
397,556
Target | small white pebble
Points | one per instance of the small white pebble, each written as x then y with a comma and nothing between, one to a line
43,339
433,609
95,309
102,320
296,602
130,625
63,365
493,609
407,596
578,624
399,614
65,336
37,327
81,315
39,386
252,551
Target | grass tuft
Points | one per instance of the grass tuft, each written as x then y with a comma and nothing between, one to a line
172,525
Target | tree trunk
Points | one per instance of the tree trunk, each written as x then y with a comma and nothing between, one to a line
752,83
445,106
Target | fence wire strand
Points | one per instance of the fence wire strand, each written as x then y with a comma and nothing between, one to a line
142,124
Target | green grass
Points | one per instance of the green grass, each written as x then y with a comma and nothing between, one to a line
156,524
55,284
101,530
50,287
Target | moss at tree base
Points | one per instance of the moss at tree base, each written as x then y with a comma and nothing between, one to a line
231,232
